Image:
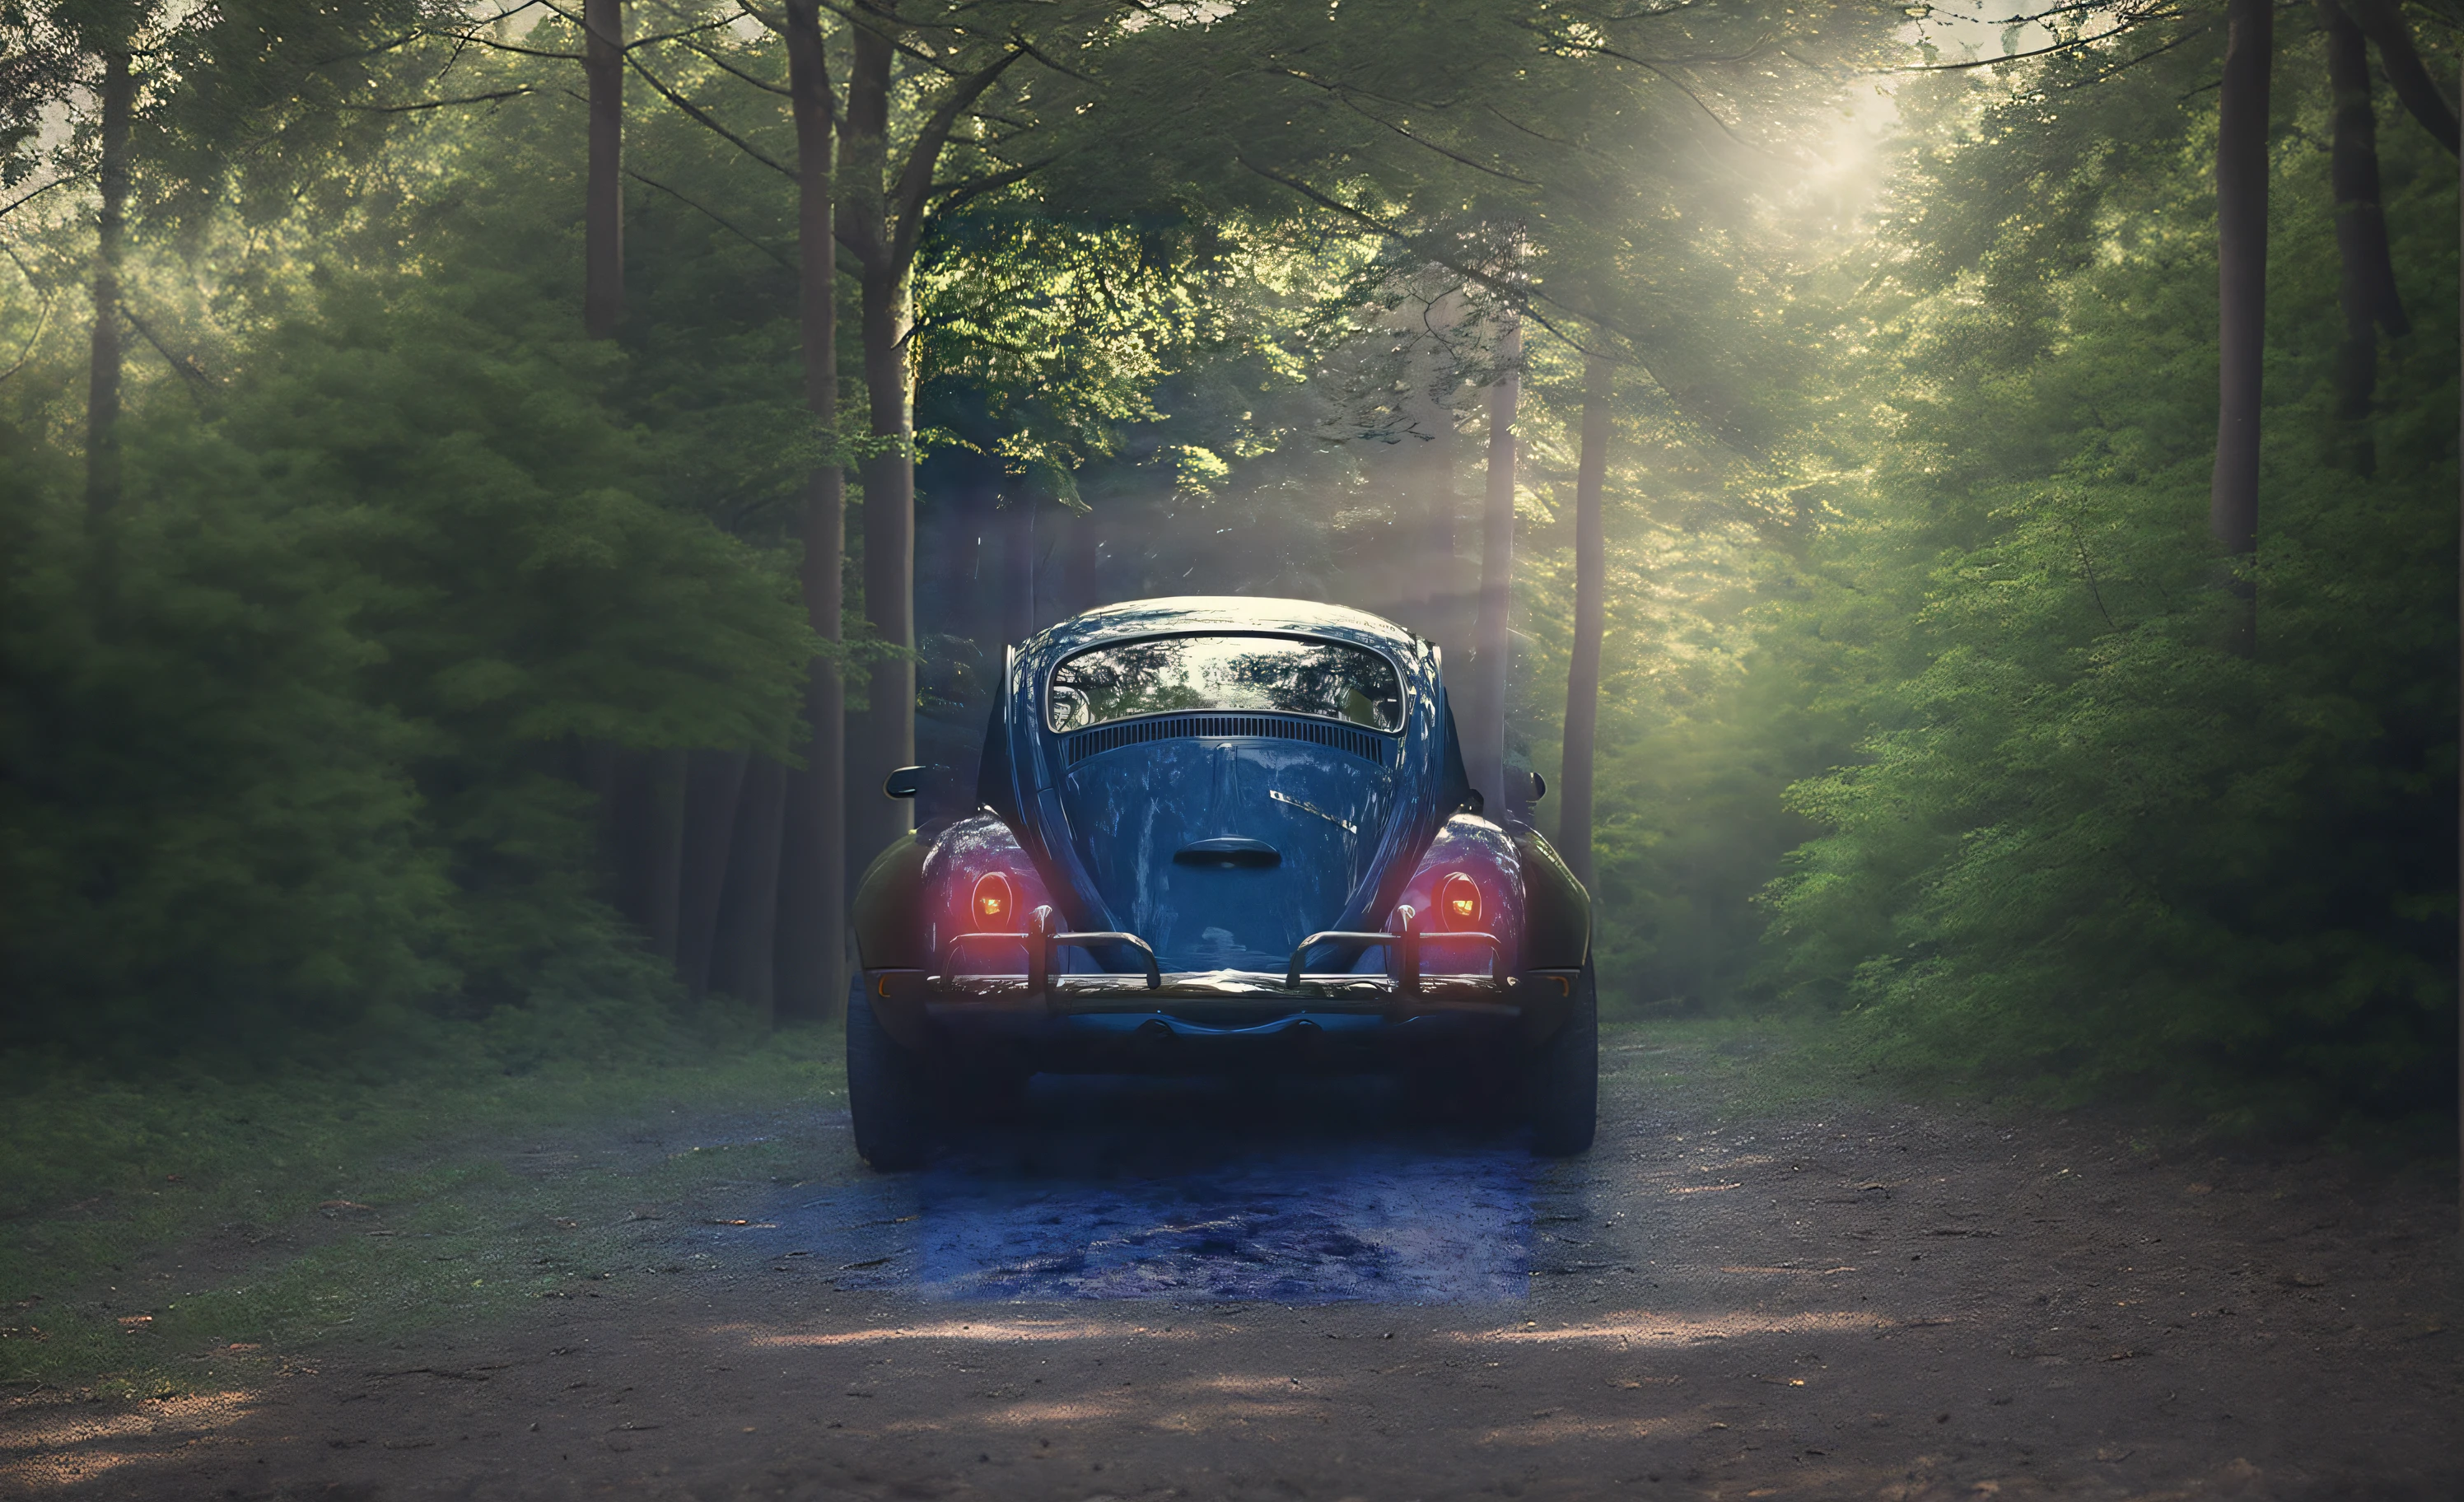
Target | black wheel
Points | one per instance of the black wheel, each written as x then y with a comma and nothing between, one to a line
1561,1081
889,1089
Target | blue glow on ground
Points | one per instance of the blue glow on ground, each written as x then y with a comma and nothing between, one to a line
1303,1192
1349,1221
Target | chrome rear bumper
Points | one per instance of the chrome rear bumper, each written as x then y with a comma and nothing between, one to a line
1403,945
1217,992
1059,1015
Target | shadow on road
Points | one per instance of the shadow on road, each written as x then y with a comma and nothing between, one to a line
1294,1191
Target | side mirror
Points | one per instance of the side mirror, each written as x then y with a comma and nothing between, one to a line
904,782
1539,787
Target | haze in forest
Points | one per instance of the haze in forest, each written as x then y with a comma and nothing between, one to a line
489,493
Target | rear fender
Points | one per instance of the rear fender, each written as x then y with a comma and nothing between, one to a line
889,931
979,845
1485,854
1557,912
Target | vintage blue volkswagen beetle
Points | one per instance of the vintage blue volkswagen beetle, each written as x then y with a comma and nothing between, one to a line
1209,832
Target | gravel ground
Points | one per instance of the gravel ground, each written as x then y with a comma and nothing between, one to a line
1302,1290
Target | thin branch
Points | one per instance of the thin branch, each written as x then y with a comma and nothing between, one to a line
644,41
1508,288
1519,293
1695,60
1648,14
2087,567
689,31
185,366
713,216
1516,124
962,193
425,105
1681,87
482,40
377,51
703,116
2072,45
33,193
976,186
721,63
511,11
1445,106
1037,53
2189,36
1344,97
915,180
42,325
870,20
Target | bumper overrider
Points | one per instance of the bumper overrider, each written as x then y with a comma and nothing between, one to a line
915,1003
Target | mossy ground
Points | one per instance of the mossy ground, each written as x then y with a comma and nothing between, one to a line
158,1235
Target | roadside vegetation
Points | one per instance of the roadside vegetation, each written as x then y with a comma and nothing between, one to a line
159,1232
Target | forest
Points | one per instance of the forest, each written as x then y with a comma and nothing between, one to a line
1962,506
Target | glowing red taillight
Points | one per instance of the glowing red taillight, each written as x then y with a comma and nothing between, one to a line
992,906
1459,902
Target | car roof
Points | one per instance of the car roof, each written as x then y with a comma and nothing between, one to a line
1225,613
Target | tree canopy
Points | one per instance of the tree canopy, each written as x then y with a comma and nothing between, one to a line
381,653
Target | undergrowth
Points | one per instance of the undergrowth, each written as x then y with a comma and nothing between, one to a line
165,1231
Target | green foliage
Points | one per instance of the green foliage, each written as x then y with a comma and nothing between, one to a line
2085,850
207,824
293,748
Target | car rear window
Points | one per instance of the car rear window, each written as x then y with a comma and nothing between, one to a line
1279,675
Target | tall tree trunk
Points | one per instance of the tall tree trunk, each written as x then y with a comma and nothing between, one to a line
1078,547
886,735
1017,570
748,936
813,857
1444,597
2413,85
649,815
1591,614
2368,291
889,474
603,223
714,786
972,577
1483,729
102,484
2241,260
1445,604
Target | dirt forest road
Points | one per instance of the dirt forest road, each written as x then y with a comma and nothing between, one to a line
1150,1290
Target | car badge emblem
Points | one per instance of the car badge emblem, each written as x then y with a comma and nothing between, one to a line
1305,807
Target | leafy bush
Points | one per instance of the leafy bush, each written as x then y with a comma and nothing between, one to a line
290,747
2085,849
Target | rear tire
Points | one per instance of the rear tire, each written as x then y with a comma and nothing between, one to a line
889,1090
1561,1080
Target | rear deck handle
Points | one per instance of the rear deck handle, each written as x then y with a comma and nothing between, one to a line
1040,955
1146,951
1405,945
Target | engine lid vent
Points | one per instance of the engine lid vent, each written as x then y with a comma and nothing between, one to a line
1363,744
